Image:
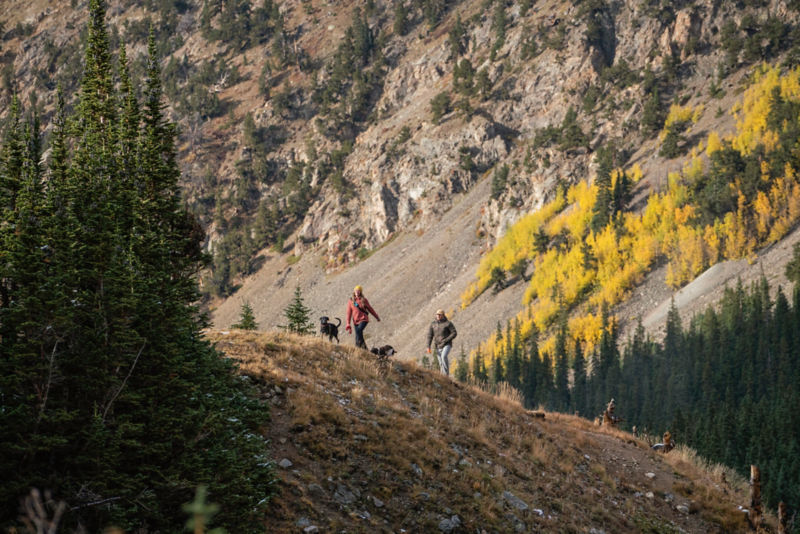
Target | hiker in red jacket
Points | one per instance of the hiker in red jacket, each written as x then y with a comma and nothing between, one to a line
357,308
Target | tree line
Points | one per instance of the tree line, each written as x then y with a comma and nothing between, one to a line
110,398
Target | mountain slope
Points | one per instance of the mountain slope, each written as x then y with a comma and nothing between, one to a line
269,166
370,449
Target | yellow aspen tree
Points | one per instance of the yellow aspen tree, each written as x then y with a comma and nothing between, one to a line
713,241
762,209
587,327
714,143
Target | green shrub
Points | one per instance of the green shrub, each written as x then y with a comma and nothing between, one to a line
440,106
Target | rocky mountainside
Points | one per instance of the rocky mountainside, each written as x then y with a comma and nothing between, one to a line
326,144
368,448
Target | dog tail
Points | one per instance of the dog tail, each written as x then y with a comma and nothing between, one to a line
340,322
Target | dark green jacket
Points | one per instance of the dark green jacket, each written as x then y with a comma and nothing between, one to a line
441,333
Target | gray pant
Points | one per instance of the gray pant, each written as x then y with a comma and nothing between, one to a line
444,361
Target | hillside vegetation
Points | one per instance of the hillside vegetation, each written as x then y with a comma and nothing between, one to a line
371,448
735,195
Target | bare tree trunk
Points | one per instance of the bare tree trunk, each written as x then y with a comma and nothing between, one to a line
754,514
783,519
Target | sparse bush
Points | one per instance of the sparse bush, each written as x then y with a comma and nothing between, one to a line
498,279
590,98
499,181
400,25
440,106
465,161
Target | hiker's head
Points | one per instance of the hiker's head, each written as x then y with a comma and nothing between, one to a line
440,315
357,291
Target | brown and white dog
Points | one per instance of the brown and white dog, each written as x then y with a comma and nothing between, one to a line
384,352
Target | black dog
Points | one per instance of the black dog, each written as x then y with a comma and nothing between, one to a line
329,329
384,352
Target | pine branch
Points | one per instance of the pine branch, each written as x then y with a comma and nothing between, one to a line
130,371
47,385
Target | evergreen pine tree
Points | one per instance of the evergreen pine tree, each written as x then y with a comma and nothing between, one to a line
298,315
571,134
544,379
247,319
620,194
462,367
103,354
479,373
496,373
792,269
578,396
514,356
499,180
530,368
11,162
562,397
601,212
456,39
669,147
499,23
652,115
400,26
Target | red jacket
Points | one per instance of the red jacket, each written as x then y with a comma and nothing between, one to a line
357,310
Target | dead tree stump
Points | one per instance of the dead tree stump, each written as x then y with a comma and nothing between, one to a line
609,418
754,514
668,443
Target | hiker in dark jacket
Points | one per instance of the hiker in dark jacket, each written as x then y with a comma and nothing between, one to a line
442,333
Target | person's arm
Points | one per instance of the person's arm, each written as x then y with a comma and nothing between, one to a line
349,315
369,309
452,335
430,337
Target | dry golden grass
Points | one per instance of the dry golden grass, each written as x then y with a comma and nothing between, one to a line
510,396
422,444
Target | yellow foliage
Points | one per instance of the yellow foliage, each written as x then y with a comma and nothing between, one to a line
548,345
756,104
694,169
713,239
682,114
714,143
763,214
687,254
516,244
587,328
770,140
546,311
588,269
635,173
581,198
